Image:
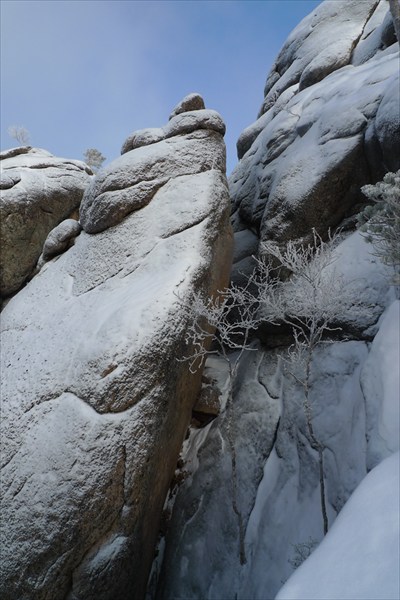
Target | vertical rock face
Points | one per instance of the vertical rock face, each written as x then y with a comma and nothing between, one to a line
38,190
95,402
329,124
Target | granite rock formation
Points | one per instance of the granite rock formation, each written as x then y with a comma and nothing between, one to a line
329,124
38,191
189,144
91,441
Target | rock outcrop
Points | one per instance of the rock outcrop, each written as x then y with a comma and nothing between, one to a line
38,191
92,431
319,138
328,125
189,144
277,472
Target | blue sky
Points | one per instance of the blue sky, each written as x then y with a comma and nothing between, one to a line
80,74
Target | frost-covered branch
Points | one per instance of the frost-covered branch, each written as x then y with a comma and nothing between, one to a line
222,325
313,296
310,296
380,221
224,320
19,133
297,286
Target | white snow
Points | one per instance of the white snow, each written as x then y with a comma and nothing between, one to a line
381,387
106,298
359,558
315,31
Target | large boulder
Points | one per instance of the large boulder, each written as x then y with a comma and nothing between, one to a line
38,191
330,123
95,403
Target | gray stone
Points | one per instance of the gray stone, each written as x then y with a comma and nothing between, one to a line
378,34
60,238
387,126
208,402
328,60
14,152
142,137
39,191
194,145
95,405
191,539
314,49
307,158
191,121
190,102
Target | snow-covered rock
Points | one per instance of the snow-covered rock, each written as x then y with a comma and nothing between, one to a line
189,115
277,478
38,191
359,558
355,402
190,143
381,387
190,102
329,123
94,403
60,238
328,126
314,49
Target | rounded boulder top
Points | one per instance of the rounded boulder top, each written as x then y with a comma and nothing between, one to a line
190,102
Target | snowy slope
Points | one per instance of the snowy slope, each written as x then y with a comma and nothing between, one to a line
359,558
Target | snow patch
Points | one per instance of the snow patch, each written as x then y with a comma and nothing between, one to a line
359,557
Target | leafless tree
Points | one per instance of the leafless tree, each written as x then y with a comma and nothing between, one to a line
306,292
94,158
19,133
311,298
224,322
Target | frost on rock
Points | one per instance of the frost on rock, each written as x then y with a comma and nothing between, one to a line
94,403
201,556
324,134
39,191
278,478
190,143
313,50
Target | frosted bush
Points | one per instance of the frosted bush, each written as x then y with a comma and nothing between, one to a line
380,221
